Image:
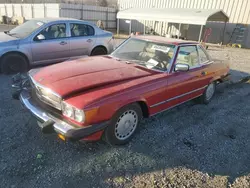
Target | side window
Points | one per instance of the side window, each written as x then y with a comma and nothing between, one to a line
203,56
54,32
79,30
188,55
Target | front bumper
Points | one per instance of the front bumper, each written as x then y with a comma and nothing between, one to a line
50,123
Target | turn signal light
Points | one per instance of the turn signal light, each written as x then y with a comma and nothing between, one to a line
62,137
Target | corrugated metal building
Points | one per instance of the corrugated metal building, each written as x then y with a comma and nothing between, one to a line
237,10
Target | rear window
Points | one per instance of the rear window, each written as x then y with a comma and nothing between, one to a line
79,30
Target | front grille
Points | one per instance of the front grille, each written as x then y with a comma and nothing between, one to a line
46,95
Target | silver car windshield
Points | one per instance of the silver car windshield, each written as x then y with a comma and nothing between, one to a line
25,29
150,54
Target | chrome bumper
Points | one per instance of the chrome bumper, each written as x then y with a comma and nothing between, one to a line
69,131
58,125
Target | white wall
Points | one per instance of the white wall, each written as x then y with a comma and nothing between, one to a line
237,10
78,11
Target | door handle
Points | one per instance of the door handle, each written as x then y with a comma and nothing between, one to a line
63,43
89,40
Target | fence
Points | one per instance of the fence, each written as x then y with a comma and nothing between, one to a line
84,12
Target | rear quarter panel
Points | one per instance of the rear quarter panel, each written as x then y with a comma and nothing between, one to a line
103,38
216,70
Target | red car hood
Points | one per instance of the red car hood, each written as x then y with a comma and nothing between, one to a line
87,73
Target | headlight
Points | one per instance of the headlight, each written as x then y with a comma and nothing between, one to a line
73,113
79,115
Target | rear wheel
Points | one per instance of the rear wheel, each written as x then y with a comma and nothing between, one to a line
13,63
123,125
208,94
99,51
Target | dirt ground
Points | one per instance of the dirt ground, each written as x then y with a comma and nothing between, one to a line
188,146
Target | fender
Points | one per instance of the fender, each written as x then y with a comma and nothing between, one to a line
107,111
130,101
108,43
27,56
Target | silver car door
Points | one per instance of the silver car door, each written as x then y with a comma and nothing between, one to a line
82,39
51,45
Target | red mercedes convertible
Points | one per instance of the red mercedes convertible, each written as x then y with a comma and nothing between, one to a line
107,96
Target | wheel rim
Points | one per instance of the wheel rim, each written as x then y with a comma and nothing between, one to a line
15,66
126,125
210,91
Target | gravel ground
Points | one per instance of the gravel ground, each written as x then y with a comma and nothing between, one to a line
188,146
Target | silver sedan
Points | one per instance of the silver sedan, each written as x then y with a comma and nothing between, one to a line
47,40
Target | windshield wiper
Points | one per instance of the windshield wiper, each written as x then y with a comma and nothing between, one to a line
12,34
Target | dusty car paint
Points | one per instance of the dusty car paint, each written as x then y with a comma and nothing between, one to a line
55,50
102,85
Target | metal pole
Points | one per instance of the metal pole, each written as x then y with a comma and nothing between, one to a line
6,12
200,33
32,8
161,27
44,9
223,35
118,25
22,10
107,17
144,27
179,30
82,11
13,10
130,27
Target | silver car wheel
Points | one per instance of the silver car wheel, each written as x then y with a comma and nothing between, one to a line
126,125
210,91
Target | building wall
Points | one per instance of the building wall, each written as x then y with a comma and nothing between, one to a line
78,11
237,10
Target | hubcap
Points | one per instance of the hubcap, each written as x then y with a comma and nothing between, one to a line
126,125
14,67
210,91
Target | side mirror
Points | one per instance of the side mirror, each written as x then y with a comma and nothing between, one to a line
39,37
179,67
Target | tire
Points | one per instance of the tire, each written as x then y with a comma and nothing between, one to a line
128,116
208,94
13,63
98,51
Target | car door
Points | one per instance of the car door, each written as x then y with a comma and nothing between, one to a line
51,45
184,86
82,39
206,64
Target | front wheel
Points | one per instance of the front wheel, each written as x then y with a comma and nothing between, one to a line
13,63
123,125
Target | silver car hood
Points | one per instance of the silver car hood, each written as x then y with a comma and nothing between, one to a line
5,38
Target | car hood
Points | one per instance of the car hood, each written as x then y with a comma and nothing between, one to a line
6,38
73,77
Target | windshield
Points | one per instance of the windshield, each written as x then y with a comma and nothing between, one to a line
147,53
25,29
